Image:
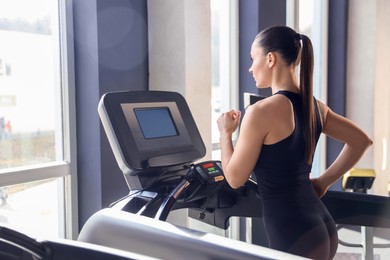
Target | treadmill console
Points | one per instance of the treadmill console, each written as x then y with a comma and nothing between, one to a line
208,172
149,132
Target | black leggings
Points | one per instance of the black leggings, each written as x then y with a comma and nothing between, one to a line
302,229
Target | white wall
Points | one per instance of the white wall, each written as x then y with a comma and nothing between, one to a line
368,82
382,99
180,61
180,55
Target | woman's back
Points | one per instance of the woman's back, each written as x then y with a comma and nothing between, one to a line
283,158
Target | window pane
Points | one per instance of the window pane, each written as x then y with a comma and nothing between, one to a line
306,11
224,48
35,208
30,116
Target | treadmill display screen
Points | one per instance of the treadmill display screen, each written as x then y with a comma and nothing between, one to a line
150,130
155,122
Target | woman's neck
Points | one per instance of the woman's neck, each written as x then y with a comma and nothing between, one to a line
284,78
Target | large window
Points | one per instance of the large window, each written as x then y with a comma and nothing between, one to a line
35,146
224,35
224,95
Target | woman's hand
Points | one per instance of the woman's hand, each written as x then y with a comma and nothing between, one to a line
229,121
319,187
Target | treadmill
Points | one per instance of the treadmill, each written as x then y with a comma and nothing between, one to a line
158,147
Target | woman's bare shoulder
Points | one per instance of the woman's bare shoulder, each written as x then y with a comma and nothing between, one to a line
269,103
272,106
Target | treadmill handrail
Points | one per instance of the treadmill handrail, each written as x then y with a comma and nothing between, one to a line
349,208
24,243
143,235
358,209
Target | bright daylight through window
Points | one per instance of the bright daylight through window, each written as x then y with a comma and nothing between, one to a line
224,48
30,116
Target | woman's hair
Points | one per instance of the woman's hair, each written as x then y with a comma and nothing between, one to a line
287,43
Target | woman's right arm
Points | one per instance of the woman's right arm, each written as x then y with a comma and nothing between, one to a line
355,140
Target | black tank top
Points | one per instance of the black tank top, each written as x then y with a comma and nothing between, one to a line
295,219
283,164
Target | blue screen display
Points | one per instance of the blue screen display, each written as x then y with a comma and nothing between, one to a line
155,122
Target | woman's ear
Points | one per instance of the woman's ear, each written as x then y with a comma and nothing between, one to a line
271,59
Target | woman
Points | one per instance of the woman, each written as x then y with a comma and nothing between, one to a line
278,136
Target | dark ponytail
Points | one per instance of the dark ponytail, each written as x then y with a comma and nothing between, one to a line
306,89
289,44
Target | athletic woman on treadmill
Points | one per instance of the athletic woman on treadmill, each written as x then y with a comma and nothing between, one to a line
277,140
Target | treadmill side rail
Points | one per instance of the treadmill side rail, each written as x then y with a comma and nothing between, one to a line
143,235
